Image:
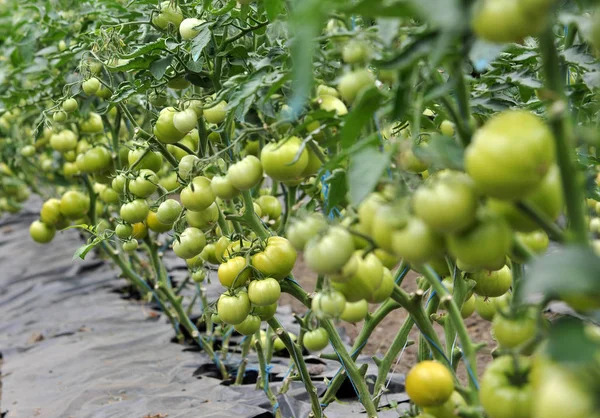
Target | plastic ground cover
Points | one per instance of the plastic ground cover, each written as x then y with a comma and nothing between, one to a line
73,348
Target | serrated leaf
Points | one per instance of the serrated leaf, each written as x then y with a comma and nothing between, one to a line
567,271
200,42
364,171
84,250
569,343
273,8
159,44
362,112
335,188
159,67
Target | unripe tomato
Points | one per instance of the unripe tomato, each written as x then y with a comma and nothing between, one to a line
353,83
537,241
204,218
355,311
447,410
360,277
265,312
134,211
165,130
90,86
185,120
407,160
278,344
234,272
233,309
468,307
187,165
323,90
492,283
300,231
152,160
140,231
510,155
368,208
316,339
270,206
155,225
123,231
198,276
187,28
63,141
198,195
109,196
355,52
92,125
515,331
217,113
144,184
208,254
327,254
246,173
416,242
28,151
168,211
130,245
505,392
328,304
429,383
74,204
279,159
447,128
485,307
249,326
41,232
447,203
59,116
170,13
385,289
277,259
50,212
190,243
547,198
485,245
264,292
222,187
329,104
70,105
221,248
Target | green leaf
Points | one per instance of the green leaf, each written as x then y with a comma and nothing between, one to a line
159,67
273,8
446,14
200,42
382,8
442,152
568,342
159,44
336,189
362,112
364,172
571,270
84,249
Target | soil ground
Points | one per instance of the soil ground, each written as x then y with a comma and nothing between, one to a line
382,337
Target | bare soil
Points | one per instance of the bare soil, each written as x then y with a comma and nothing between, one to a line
383,335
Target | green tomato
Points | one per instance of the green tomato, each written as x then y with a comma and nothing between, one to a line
188,28
74,204
328,304
270,206
385,289
515,331
185,120
90,86
283,161
355,52
50,212
316,339
70,105
355,311
223,188
144,184
264,292
360,278
151,160
123,231
169,211
353,83
190,243
492,283
249,326
277,259
198,195
234,272
204,218
130,245
217,113
165,130
505,390
485,245
41,232
510,155
302,230
134,211
265,312
246,173
233,309
447,203
327,254
416,242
